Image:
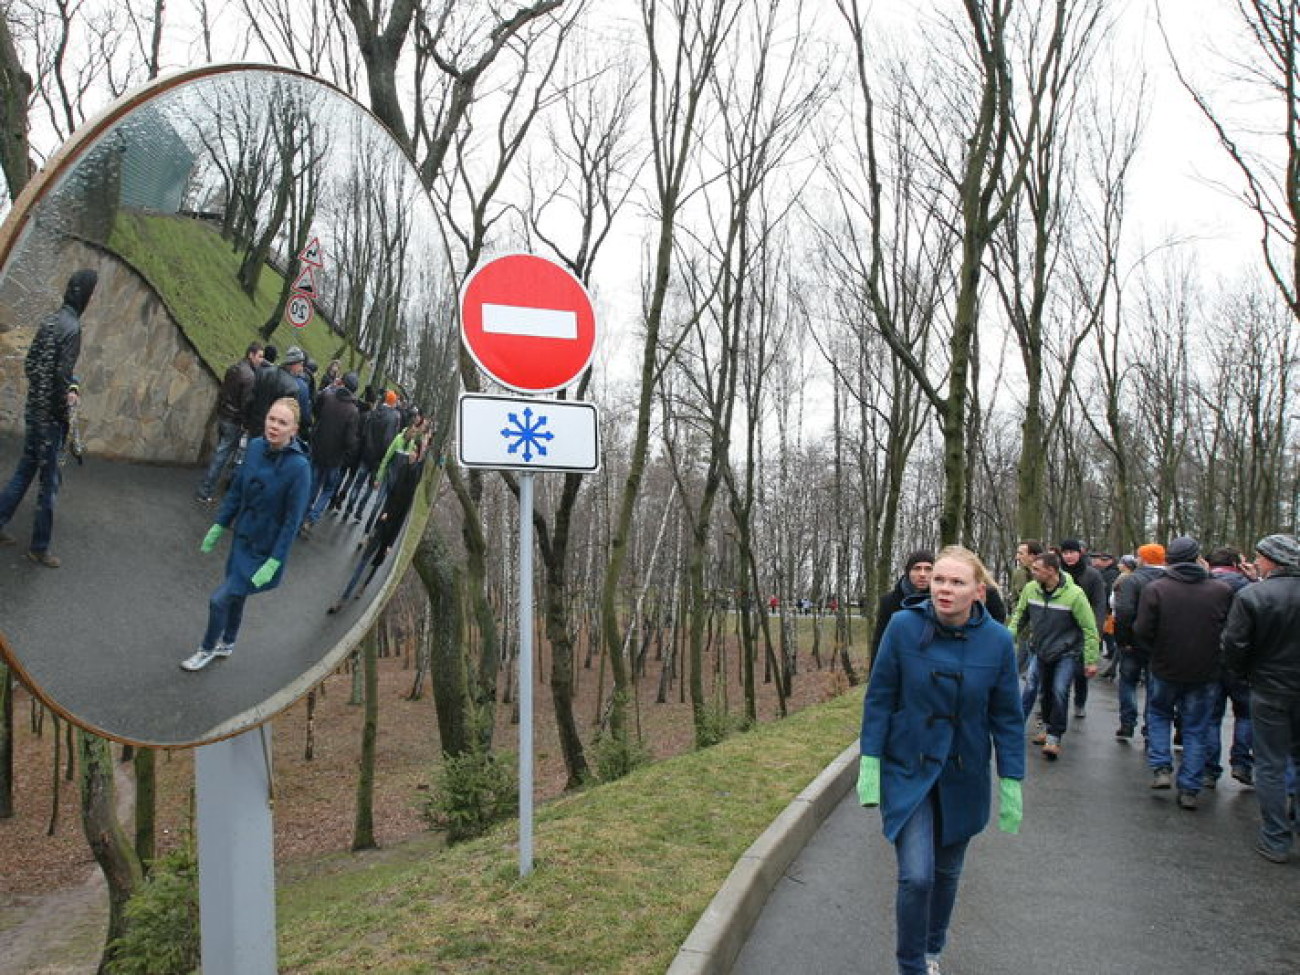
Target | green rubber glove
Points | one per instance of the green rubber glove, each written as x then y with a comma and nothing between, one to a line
210,539
263,575
869,780
1012,805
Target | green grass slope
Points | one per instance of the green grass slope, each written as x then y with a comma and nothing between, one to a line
623,871
194,273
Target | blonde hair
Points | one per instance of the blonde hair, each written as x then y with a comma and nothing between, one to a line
291,405
959,553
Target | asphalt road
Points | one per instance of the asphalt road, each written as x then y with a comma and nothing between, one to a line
101,638
1106,877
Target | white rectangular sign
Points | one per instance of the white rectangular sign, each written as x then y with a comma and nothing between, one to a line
522,433
539,323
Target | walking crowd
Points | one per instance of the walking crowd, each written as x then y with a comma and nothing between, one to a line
299,452
1184,634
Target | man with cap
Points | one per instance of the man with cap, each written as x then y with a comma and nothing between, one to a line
1180,617
1134,655
51,392
1261,643
913,583
1075,561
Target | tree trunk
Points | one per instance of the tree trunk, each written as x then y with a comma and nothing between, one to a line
15,96
443,582
146,806
363,830
105,835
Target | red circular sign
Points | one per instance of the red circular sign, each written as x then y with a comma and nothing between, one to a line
528,323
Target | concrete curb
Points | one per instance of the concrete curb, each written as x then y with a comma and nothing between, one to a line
715,941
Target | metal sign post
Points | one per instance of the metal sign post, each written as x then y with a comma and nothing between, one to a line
525,674
236,855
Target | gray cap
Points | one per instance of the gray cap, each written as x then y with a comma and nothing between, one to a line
1282,549
1184,548
294,354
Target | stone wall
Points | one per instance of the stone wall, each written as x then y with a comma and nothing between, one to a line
146,395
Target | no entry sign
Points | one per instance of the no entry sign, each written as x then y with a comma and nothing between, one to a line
528,323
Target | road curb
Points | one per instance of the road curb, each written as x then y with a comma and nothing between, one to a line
715,941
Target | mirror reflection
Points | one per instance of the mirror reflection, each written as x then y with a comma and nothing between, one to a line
212,315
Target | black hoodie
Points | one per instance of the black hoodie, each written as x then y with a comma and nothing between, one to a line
52,357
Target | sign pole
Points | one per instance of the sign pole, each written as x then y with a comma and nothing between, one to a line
525,674
232,784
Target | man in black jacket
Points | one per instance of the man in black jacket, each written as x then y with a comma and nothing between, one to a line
1075,561
1261,643
1180,616
236,391
51,391
337,436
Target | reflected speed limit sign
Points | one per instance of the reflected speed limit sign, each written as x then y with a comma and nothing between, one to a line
298,311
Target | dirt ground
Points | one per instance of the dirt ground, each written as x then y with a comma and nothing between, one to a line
51,892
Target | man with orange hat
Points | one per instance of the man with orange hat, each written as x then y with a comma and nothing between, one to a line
1134,656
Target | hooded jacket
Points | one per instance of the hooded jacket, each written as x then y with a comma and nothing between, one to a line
265,504
338,427
1128,591
1180,617
1261,641
1061,622
940,702
1093,585
52,357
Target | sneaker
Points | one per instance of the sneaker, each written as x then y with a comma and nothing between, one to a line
1125,733
6,538
335,608
223,649
1209,781
1272,856
1080,713
199,659
1243,775
1040,738
1163,778
305,530
204,499
932,967
1052,748
1188,800
44,558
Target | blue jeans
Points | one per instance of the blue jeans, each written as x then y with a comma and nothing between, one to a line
1238,692
928,875
1055,678
228,434
40,457
225,614
1132,667
1276,722
1193,702
324,481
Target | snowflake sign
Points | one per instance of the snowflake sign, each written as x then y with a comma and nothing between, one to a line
528,434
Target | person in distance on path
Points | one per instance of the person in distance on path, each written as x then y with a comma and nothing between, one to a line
266,503
942,700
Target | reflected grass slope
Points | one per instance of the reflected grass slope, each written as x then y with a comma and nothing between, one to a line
194,272
623,871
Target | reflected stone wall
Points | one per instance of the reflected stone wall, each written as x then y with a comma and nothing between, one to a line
146,394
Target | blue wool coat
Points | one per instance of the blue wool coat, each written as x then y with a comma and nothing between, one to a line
266,502
940,701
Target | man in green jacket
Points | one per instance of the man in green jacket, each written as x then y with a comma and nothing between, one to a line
1062,637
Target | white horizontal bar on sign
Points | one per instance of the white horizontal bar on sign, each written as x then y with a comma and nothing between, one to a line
540,323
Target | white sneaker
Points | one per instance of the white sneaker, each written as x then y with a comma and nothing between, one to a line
199,659
932,967
223,649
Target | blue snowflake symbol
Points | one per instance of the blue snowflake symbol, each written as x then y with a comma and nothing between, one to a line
528,434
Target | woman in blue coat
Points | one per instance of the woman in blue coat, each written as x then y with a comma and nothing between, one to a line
266,504
943,698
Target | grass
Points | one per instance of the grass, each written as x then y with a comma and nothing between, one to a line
194,272
622,871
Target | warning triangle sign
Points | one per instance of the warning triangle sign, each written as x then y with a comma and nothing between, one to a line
306,281
312,253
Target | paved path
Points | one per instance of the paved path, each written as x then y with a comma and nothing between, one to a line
1106,877
103,635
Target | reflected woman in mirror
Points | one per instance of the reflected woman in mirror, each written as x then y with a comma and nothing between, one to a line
265,504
